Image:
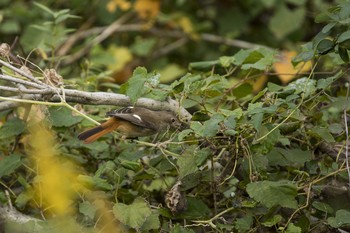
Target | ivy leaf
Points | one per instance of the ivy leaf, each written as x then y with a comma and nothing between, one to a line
179,229
133,215
324,207
280,23
293,229
272,193
12,127
270,222
135,87
342,217
9,164
196,208
289,157
243,224
211,126
190,160
322,133
95,182
62,117
152,222
87,209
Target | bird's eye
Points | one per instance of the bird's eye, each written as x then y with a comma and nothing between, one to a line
173,120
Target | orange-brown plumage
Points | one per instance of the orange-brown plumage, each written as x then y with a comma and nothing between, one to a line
132,122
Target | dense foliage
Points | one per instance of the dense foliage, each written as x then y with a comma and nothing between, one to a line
264,151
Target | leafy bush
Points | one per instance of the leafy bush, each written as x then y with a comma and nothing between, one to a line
271,159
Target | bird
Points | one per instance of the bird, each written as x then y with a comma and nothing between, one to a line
132,122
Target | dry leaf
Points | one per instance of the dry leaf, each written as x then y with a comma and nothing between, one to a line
147,9
285,69
112,5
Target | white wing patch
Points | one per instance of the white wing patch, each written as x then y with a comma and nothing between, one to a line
137,116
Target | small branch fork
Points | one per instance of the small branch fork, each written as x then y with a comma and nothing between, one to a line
30,89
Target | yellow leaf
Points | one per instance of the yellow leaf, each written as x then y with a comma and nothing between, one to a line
112,5
285,69
122,57
258,83
147,9
56,184
186,24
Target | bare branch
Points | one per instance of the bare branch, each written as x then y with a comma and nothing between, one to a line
21,72
98,39
167,49
21,81
101,98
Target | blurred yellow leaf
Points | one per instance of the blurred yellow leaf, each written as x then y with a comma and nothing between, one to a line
285,69
122,56
112,5
147,9
170,72
258,83
186,24
56,184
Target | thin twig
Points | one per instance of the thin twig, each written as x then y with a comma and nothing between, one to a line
21,81
295,109
97,40
21,72
347,132
170,47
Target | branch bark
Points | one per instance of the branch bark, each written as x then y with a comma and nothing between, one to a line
39,91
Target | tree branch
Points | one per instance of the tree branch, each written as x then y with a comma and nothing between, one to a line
46,93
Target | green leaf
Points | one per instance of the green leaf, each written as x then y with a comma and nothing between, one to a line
226,61
87,209
336,128
302,85
24,197
325,82
328,27
293,229
342,218
190,159
211,126
272,87
9,164
96,182
180,229
136,84
143,46
159,184
344,37
242,90
286,21
273,221
324,207
62,117
325,46
343,53
289,157
152,222
272,193
44,8
130,165
243,224
12,127
203,65
322,133
134,215
196,208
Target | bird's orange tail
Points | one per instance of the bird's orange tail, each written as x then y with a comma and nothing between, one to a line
95,133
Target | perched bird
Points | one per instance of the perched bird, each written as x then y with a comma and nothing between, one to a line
132,122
